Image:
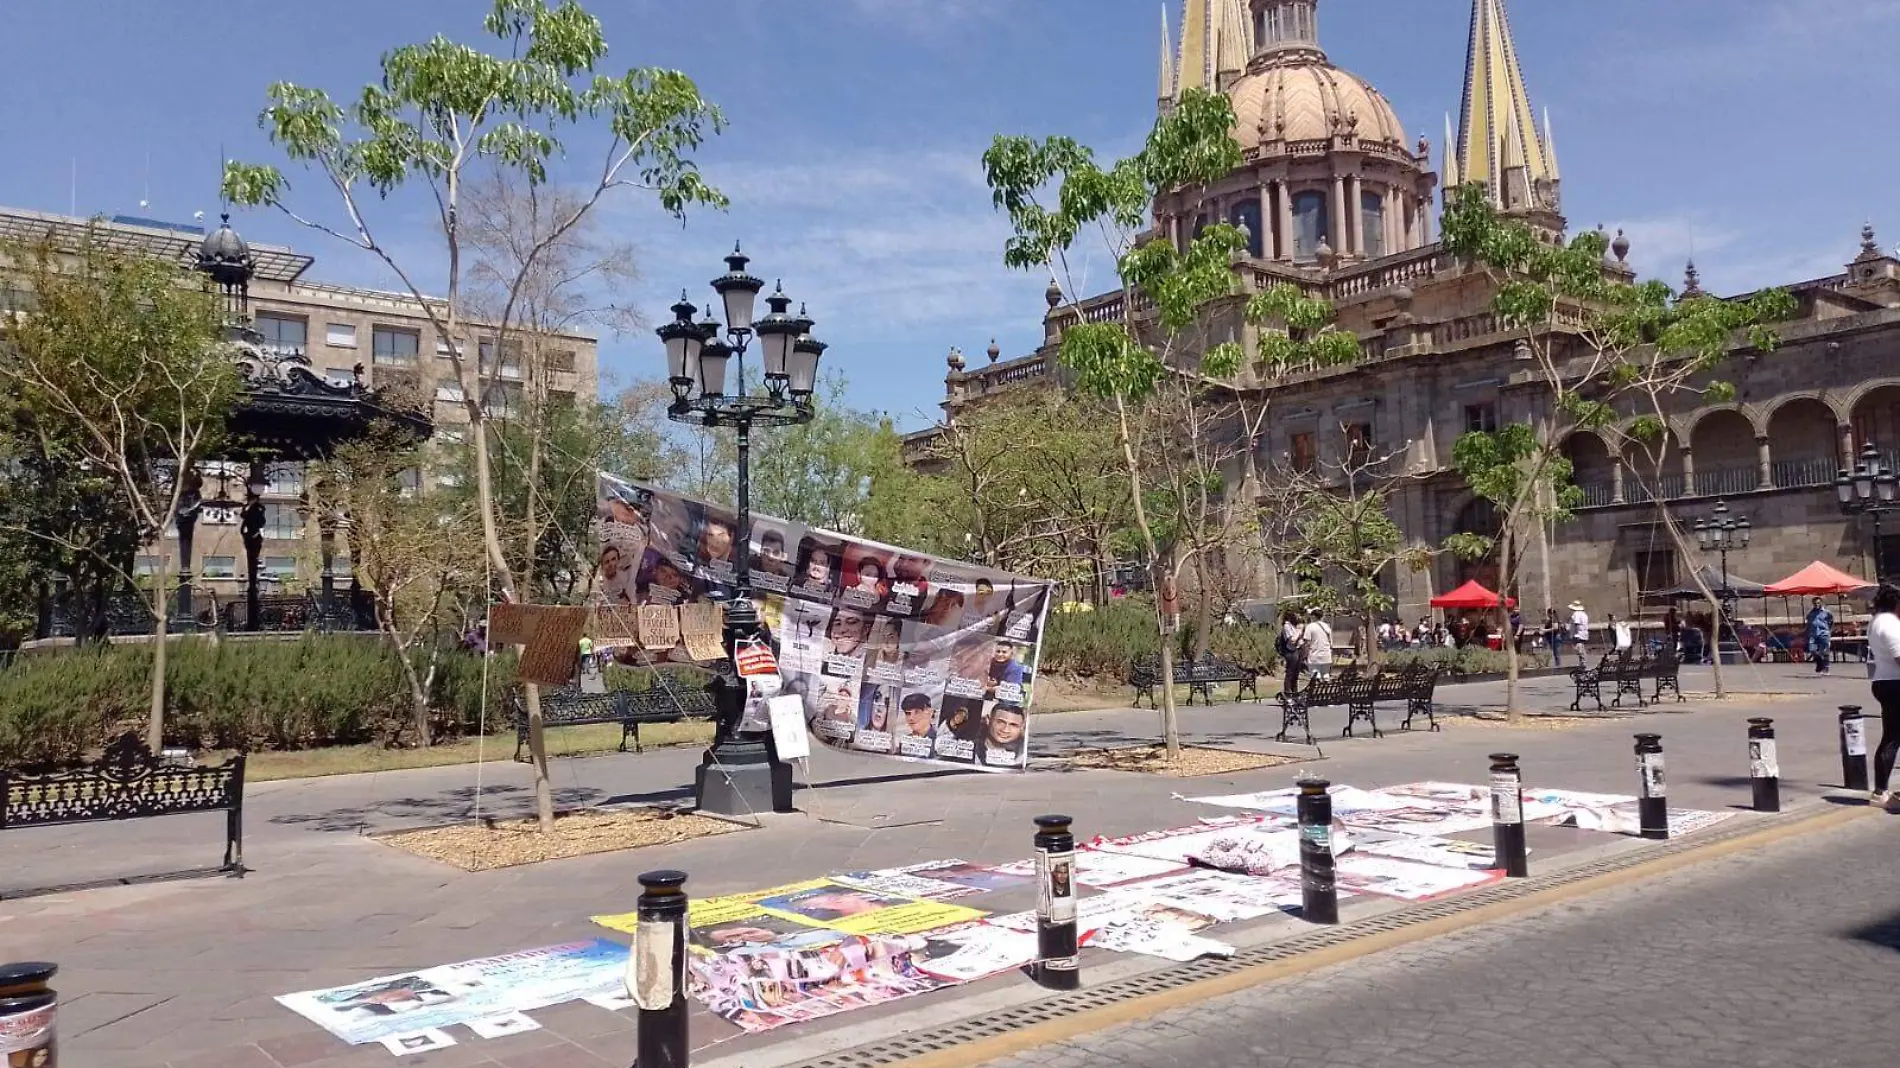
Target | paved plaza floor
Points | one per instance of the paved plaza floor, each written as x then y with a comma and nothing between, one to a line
177,973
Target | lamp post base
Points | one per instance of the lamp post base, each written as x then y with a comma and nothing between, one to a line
741,776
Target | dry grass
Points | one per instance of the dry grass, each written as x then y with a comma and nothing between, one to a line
486,846
1194,761
351,759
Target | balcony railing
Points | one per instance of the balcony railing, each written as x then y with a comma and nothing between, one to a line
1727,481
1792,473
1724,482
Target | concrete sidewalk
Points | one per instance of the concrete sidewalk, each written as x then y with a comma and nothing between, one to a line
177,973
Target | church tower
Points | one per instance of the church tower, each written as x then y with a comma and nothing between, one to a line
1498,144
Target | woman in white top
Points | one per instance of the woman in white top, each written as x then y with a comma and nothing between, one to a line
1883,643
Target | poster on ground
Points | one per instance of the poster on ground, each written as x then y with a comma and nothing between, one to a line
814,912
761,989
409,1003
893,653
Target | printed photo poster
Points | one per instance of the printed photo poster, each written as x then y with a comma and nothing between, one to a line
761,989
408,1003
892,652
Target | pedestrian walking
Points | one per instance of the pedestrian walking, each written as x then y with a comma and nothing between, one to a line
1553,634
1820,636
1291,645
1579,628
1883,644
1620,633
1318,639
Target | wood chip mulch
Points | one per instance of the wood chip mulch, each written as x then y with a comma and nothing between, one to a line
1194,760
509,843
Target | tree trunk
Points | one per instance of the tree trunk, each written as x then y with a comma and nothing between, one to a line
1204,621
1511,710
155,727
418,693
1370,629
1170,721
538,754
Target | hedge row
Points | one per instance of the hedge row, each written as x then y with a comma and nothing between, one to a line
1101,643
320,690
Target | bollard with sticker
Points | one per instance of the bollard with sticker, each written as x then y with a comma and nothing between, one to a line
29,1011
1853,748
656,971
1507,816
1058,947
1319,891
1764,772
1652,805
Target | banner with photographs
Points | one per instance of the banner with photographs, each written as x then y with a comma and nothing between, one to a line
892,652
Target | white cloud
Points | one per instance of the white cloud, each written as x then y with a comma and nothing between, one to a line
1661,245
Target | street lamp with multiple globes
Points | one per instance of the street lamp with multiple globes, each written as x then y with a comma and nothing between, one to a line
1867,490
1722,534
741,773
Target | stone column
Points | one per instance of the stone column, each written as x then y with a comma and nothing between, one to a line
1688,472
1285,210
1765,459
1422,219
1356,215
1394,222
1847,447
1616,481
1338,238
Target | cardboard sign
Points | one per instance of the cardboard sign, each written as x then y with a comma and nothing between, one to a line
659,627
553,647
788,727
615,626
699,628
510,624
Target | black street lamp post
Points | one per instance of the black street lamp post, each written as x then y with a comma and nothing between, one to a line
1868,490
741,773
1722,533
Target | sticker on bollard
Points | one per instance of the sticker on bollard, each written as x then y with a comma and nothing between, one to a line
1652,805
1764,772
656,971
1319,890
28,1037
1853,748
1507,816
1058,941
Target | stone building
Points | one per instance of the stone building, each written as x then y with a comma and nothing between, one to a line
342,332
1338,202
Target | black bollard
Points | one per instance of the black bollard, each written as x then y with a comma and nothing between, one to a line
656,971
1058,952
1319,894
1652,806
1764,772
1507,816
1853,748
29,1011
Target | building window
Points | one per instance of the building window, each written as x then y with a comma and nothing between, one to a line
1655,570
397,347
281,568
1372,224
561,398
1246,215
281,522
444,350
502,400
390,379
339,335
281,331
1358,444
147,566
340,377
1303,453
449,389
561,360
286,480
448,480
1311,224
510,359
219,567
1481,418
409,481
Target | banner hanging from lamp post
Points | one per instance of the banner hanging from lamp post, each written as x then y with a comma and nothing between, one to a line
892,652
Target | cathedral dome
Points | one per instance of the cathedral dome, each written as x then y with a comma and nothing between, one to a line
1309,99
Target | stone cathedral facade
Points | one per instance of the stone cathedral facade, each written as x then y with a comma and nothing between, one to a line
1336,199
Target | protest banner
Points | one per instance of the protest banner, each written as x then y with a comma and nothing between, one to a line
892,652
411,1003
973,951
762,989
836,907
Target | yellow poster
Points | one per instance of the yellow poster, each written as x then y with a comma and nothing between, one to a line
782,912
913,918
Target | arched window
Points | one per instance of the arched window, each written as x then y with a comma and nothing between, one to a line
1372,224
1311,224
1246,214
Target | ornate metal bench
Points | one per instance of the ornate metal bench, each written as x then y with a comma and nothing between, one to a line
128,783
1362,697
1199,676
1667,671
1144,676
1589,682
676,695
1419,687
1296,708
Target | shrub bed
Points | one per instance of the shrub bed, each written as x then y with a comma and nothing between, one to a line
1102,643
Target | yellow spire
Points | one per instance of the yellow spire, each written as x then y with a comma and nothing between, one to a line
1168,90
1497,128
1234,39
1195,68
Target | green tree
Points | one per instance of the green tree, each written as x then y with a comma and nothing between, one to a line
1053,191
442,110
117,364
823,472
1601,345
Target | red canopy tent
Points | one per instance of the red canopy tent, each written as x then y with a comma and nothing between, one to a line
1471,595
1817,579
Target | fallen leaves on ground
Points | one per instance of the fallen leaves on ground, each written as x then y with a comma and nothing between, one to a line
507,843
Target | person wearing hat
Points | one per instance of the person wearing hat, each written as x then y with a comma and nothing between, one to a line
1579,627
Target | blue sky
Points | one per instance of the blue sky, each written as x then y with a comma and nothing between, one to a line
1748,131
